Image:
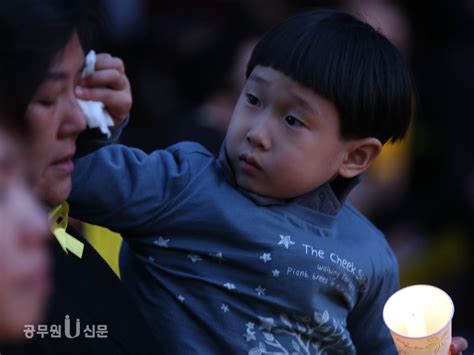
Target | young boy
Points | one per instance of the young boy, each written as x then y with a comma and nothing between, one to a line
257,251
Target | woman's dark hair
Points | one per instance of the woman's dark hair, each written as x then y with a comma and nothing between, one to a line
32,35
347,62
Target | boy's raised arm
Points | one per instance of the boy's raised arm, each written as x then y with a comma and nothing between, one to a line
125,189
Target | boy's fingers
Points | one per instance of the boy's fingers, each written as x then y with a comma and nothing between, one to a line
106,61
98,94
120,101
110,78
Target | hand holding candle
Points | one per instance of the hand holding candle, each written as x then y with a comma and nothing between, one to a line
419,318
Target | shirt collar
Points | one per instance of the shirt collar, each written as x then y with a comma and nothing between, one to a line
328,198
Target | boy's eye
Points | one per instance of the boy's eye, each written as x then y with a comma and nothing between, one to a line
293,121
253,100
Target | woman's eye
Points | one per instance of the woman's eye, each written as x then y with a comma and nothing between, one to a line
253,100
293,121
47,103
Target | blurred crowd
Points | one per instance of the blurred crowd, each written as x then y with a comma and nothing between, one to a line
186,63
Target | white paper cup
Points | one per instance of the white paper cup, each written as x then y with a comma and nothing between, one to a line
419,318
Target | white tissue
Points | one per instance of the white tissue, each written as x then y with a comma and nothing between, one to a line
94,111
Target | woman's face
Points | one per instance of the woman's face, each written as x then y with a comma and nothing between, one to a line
24,233
55,120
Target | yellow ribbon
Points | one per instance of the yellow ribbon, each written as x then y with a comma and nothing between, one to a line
58,224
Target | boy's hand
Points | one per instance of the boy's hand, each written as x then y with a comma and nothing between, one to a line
458,345
108,84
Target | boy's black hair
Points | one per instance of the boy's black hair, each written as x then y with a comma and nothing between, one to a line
349,63
32,34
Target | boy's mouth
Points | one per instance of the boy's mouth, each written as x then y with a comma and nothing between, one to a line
250,160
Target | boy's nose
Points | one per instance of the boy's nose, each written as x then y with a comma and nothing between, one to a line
258,135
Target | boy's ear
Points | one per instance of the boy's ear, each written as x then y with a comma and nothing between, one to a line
361,153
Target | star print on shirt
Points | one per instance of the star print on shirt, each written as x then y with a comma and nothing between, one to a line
229,286
217,256
225,308
260,290
181,298
162,243
250,334
266,257
286,241
194,258
276,273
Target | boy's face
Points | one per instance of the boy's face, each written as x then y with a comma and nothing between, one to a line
283,140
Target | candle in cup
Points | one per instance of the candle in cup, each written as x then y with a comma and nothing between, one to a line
419,318
415,325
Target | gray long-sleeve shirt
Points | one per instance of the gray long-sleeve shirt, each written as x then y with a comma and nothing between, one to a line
216,270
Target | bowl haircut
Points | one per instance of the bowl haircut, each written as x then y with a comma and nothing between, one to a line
349,63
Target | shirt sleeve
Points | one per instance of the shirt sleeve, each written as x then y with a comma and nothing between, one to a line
365,323
92,139
125,189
